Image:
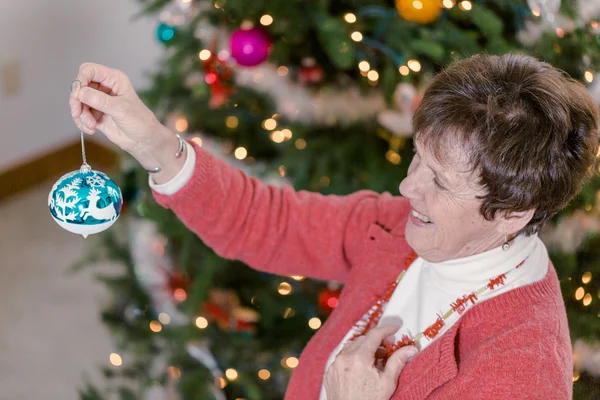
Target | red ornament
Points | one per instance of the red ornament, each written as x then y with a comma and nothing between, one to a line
310,75
218,76
328,300
223,307
178,285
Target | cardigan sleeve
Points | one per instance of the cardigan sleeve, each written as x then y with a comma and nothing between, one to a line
273,229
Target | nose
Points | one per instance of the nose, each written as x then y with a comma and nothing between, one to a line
411,186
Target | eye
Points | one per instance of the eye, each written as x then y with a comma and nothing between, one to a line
437,183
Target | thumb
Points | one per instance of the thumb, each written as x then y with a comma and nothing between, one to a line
398,361
97,100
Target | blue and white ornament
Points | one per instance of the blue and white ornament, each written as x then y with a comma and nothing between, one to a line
85,201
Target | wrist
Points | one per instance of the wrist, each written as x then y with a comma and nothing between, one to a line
163,153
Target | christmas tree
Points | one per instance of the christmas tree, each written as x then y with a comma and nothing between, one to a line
318,95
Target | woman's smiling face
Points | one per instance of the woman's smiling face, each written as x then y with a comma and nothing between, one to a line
445,222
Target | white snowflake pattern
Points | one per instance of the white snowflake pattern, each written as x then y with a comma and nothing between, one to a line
95,181
113,193
66,200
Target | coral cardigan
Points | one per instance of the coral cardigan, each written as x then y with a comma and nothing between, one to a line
513,346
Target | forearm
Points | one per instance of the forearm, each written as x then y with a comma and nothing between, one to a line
161,153
272,229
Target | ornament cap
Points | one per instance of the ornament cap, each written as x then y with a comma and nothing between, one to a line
85,168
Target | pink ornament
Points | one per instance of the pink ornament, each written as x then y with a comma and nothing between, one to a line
250,47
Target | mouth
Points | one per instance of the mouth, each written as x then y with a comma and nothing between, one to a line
421,217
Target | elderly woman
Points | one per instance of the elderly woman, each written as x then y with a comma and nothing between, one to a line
469,305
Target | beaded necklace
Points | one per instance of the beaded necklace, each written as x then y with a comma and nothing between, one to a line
373,316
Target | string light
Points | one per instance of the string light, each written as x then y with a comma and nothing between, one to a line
393,157
266,20
198,141
588,207
300,144
350,18
373,75
587,299
287,134
201,322
292,362
282,70
181,124
232,122
282,171
589,76
285,288
155,326
579,293
258,77
417,4
465,5
210,78
174,372
231,374
288,313
587,277
536,11
325,181
560,32
164,318
594,24
277,136
269,124
221,382
448,3
179,294
264,374
314,323
297,277
557,48
414,65
115,359
240,153
204,54
223,55
364,66
576,377
356,36
404,70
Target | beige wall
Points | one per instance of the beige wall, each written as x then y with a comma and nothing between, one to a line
48,40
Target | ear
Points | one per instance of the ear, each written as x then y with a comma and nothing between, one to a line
513,221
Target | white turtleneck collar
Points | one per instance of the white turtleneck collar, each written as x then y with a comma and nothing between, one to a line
469,273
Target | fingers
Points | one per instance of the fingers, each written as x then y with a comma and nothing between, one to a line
98,100
398,361
375,336
101,78
109,77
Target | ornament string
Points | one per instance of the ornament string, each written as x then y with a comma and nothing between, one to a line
85,167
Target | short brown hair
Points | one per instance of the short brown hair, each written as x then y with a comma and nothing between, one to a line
529,131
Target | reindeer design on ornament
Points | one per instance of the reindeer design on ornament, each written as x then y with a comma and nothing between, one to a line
107,213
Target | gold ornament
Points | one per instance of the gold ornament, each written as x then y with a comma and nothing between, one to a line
421,11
